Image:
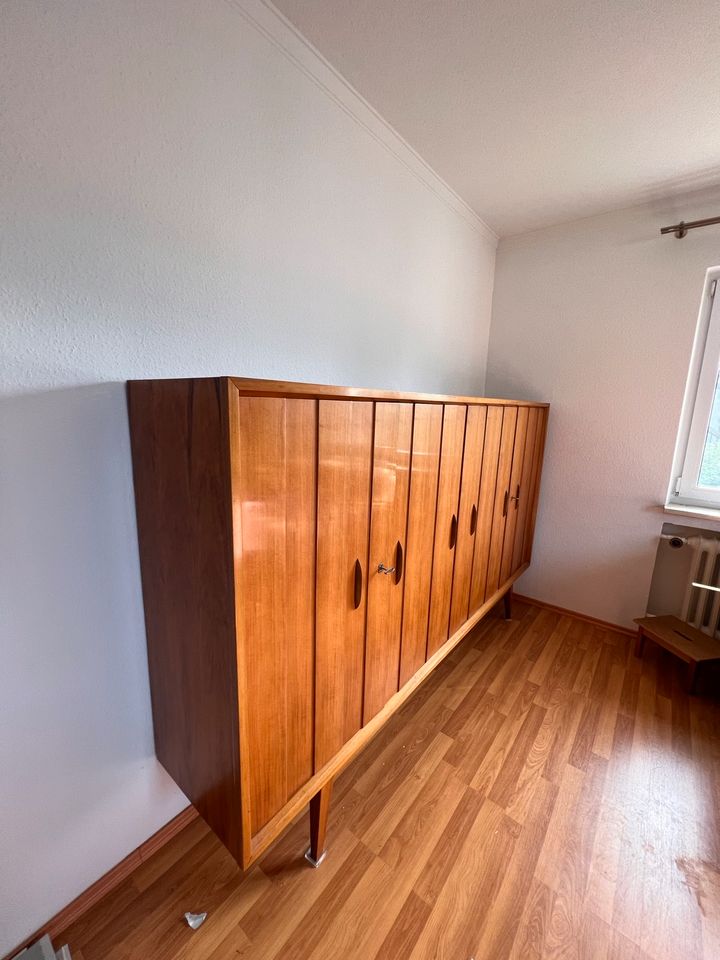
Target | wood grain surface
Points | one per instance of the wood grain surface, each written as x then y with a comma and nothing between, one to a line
545,794
424,471
451,455
345,430
388,522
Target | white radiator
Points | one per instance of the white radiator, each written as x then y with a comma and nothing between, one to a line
701,604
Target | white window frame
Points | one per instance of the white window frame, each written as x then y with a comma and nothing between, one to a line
697,404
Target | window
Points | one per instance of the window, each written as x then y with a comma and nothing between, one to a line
696,469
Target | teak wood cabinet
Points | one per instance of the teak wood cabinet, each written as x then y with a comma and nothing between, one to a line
309,554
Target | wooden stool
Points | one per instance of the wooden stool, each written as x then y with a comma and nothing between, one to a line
679,638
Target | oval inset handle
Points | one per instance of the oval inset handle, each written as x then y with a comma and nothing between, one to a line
358,584
398,562
453,531
473,521
505,502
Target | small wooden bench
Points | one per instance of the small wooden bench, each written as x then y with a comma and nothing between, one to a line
679,638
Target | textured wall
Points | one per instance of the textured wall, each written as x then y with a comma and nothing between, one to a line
598,317
180,197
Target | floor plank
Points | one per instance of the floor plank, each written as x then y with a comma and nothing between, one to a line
544,794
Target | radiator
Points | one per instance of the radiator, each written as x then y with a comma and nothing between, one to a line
686,557
701,605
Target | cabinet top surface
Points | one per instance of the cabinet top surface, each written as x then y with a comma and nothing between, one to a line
258,387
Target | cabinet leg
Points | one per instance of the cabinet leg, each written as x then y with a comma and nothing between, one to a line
639,643
507,604
691,670
319,810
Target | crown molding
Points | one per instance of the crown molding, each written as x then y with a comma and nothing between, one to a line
279,31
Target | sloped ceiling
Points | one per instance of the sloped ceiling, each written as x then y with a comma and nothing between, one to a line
537,112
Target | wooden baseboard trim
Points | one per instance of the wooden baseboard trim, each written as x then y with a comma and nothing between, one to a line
605,624
113,878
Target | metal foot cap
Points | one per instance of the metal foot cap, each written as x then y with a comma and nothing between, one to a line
312,861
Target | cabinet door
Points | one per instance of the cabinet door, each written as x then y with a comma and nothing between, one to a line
486,503
446,524
274,488
343,511
540,437
518,462
388,521
468,515
525,491
424,467
502,500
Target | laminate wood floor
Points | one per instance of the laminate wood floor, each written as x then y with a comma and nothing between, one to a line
544,795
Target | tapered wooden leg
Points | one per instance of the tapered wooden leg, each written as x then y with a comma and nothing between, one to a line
639,643
691,670
507,604
319,810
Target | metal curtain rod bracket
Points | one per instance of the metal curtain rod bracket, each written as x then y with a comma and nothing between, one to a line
680,229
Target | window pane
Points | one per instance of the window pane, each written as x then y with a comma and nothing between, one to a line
710,465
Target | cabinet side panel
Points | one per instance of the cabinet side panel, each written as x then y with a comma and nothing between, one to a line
274,508
178,434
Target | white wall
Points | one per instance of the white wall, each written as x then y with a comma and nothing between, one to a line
598,317
186,190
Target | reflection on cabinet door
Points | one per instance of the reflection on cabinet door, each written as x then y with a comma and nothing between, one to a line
502,500
468,515
388,519
343,507
275,497
525,489
446,524
516,492
486,502
425,463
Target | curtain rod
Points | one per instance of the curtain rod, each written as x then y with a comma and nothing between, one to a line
680,229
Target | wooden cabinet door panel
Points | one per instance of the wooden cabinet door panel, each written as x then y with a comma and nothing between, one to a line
274,491
468,515
525,489
343,510
424,467
518,461
451,452
388,521
486,503
502,500
540,438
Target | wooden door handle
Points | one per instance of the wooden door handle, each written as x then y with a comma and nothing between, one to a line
453,531
473,521
398,562
358,585
505,502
